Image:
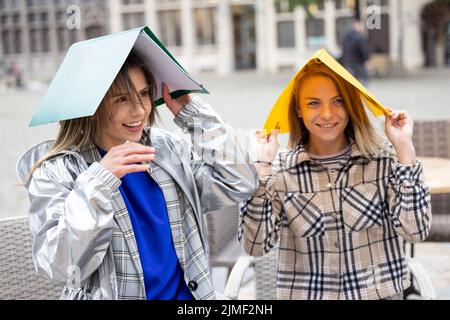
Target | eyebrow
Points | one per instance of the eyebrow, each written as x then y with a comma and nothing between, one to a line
313,98
127,94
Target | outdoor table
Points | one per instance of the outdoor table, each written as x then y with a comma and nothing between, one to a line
437,177
436,174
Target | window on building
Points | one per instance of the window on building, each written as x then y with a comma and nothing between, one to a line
32,18
72,36
33,3
286,34
205,25
378,2
282,6
44,17
379,38
16,19
60,2
9,4
345,4
94,31
133,20
61,16
5,42
170,27
61,39
33,40
132,2
18,41
45,41
315,33
4,20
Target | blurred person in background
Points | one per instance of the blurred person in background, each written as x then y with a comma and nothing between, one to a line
355,52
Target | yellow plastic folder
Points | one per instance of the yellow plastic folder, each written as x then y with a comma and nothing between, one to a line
278,117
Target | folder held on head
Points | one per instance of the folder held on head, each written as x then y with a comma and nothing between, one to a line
278,117
90,67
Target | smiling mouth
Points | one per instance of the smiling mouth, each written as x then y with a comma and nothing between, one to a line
135,124
327,126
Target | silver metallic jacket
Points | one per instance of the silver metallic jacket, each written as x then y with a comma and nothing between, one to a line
82,234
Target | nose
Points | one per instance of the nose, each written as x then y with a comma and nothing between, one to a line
138,108
326,112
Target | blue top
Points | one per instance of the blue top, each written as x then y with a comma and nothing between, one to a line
146,207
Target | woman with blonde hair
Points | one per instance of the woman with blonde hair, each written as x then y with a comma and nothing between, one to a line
117,204
340,200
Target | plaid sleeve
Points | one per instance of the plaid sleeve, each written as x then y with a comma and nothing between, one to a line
260,216
409,201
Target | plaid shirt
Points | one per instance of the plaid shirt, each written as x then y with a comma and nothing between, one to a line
339,230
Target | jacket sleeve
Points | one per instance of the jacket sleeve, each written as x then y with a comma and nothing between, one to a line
71,220
222,175
409,201
260,222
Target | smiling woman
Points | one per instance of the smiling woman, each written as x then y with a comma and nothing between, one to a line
117,203
127,107
341,201
333,99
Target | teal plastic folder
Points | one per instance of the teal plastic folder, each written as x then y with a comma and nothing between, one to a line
90,67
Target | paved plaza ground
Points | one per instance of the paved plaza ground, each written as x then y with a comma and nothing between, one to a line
243,100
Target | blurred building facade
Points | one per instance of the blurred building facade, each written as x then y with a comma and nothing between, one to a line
227,35
36,33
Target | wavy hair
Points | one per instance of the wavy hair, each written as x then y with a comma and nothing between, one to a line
369,140
82,132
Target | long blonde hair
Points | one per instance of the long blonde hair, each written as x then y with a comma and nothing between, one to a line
359,128
82,132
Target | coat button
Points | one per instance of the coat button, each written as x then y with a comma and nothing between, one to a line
192,285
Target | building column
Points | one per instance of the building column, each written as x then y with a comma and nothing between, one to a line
26,38
270,37
224,29
187,34
330,25
396,26
53,37
1,42
260,41
300,34
151,17
115,16
413,55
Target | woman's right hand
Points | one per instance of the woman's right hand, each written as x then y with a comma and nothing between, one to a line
127,158
264,149
265,146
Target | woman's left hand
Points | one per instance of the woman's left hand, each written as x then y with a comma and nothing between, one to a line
174,105
399,131
399,127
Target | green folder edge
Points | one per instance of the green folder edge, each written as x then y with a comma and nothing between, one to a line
178,93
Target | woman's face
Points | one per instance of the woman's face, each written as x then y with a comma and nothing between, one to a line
128,119
323,112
